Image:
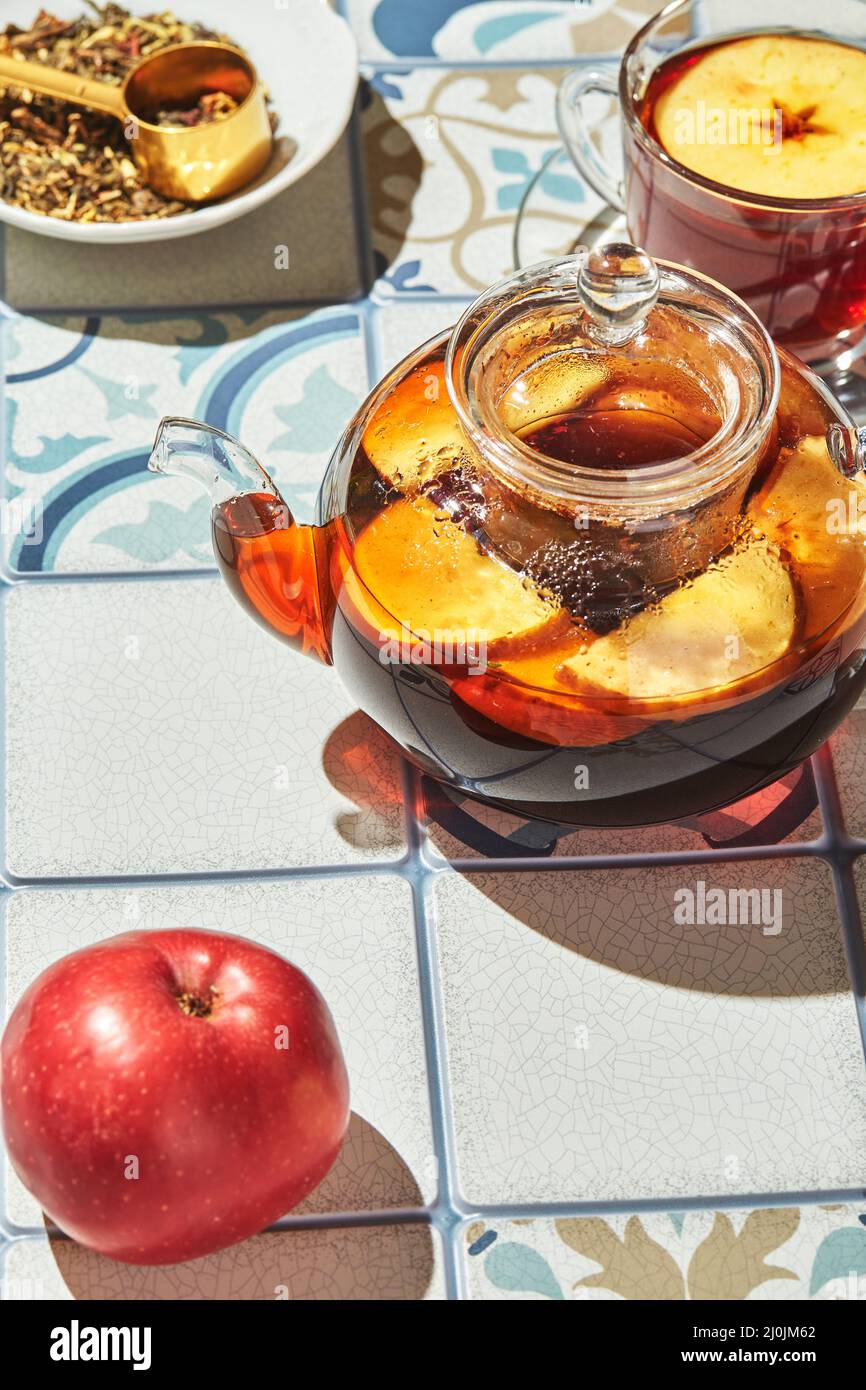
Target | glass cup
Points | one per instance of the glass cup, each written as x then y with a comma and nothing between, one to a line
800,263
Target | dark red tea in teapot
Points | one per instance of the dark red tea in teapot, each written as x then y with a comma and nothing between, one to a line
598,557
612,438
573,677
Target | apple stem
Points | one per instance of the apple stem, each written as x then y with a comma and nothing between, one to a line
194,1006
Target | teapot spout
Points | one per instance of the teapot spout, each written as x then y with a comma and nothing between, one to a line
277,570
223,466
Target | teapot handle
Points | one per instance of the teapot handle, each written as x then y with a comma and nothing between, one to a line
848,449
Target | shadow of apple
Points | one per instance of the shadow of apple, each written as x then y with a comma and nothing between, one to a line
383,1262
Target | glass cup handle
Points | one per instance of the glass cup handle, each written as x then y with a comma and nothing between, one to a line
575,132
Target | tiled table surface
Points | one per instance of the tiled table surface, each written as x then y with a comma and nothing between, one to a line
556,1092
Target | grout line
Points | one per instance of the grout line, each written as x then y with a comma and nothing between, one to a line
155,310
16,579
415,298
815,849
622,1206
13,883
830,804
403,867
360,200
402,66
433,1027
853,939
308,1221
368,315
381,1216
447,1220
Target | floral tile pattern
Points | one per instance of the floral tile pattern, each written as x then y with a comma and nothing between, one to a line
353,936
494,30
600,1050
177,736
767,1254
366,1263
450,154
286,383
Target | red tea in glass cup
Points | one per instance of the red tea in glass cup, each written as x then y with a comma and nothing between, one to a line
754,123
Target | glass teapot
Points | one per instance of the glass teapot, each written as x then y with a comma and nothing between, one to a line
597,555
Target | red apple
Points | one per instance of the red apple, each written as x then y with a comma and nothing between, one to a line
167,1093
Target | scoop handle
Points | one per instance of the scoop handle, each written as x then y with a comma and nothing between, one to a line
68,86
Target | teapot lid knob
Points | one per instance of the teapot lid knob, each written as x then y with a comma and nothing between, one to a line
618,285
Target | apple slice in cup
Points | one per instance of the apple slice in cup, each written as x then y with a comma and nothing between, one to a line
780,115
808,509
414,433
525,695
715,632
415,572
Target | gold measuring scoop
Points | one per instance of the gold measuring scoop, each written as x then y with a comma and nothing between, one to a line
193,163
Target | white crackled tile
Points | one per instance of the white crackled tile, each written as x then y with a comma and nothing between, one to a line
597,1050
848,747
355,939
371,1263
770,1253
153,727
458,828
860,881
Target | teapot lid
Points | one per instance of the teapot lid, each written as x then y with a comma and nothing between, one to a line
654,334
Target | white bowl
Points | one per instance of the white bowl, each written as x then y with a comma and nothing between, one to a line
306,56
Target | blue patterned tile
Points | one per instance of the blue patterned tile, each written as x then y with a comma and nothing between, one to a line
285,383
451,154
766,1254
494,30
